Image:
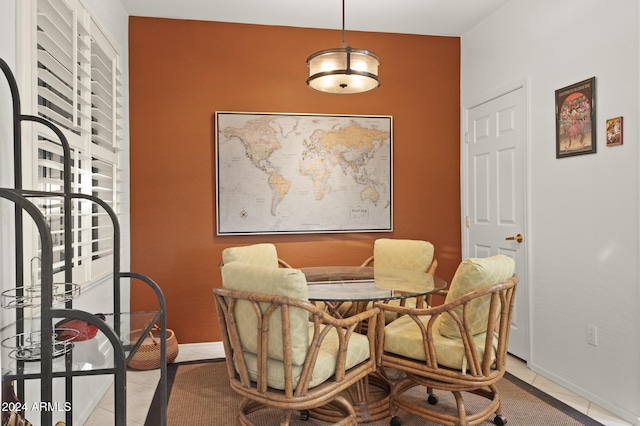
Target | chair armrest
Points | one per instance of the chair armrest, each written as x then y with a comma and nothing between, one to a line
367,262
283,264
433,267
264,307
499,315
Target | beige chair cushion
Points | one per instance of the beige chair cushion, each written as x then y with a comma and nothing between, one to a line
278,281
473,274
263,254
292,283
403,337
325,366
415,255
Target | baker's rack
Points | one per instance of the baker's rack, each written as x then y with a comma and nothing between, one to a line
28,348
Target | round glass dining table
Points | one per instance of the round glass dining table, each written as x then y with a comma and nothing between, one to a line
361,283
345,290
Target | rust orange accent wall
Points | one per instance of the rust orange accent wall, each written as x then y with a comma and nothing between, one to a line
182,72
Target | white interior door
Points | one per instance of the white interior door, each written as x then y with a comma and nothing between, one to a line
495,195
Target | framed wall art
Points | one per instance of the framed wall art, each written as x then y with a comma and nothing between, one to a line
576,119
283,173
614,131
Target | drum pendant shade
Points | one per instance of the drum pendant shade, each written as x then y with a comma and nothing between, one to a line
343,70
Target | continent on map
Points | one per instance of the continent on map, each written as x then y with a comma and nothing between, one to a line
370,194
350,147
280,187
260,141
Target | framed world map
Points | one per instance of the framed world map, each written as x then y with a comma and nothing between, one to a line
303,173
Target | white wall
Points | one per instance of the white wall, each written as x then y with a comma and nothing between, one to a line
8,54
583,211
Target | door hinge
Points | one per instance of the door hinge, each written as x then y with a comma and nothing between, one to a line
466,137
467,222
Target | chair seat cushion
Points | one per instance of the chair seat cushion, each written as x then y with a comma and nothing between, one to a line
403,337
325,367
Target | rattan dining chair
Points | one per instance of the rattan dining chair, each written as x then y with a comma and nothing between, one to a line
262,254
460,346
414,255
283,352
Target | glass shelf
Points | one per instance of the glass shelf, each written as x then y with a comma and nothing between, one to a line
28,346
87,357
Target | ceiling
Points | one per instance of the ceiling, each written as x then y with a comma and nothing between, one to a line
427,17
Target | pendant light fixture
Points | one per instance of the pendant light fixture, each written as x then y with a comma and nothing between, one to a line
343,70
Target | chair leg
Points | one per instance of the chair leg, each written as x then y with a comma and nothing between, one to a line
431,398
350,414
246,407
286,418
499,419
462,412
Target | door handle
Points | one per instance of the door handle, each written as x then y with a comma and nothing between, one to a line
519,238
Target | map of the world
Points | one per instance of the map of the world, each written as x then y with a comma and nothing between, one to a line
303,173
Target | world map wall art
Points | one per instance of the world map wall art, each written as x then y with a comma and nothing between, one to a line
303,173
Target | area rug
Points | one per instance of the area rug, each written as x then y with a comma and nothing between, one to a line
199,394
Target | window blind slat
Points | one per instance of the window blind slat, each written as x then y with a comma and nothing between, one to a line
60,14
52,65
54,83
55,117
50,164
103,133
98,76
58,31
100,115
61,53
101,93
62,105
100,61
100,103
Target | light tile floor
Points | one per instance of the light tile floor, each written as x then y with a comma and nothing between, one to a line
141,386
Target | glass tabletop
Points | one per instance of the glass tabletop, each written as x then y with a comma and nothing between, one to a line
356,283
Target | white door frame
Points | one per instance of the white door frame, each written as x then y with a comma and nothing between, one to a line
464,167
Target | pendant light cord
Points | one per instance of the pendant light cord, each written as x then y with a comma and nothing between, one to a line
343,43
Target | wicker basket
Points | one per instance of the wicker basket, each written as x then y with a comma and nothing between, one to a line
148,355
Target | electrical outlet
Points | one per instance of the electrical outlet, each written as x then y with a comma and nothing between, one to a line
592,335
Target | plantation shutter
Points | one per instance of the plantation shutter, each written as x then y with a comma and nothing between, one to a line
79,88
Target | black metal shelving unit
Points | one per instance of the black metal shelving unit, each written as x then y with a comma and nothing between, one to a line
51,297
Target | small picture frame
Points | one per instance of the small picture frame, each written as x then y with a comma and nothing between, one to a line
614,131
576,119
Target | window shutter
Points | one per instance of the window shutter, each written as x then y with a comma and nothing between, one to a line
79,88
106,134
50,178
63,65
106,99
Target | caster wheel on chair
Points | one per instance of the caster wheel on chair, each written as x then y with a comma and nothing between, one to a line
432,399
395,421
304,415
500,420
